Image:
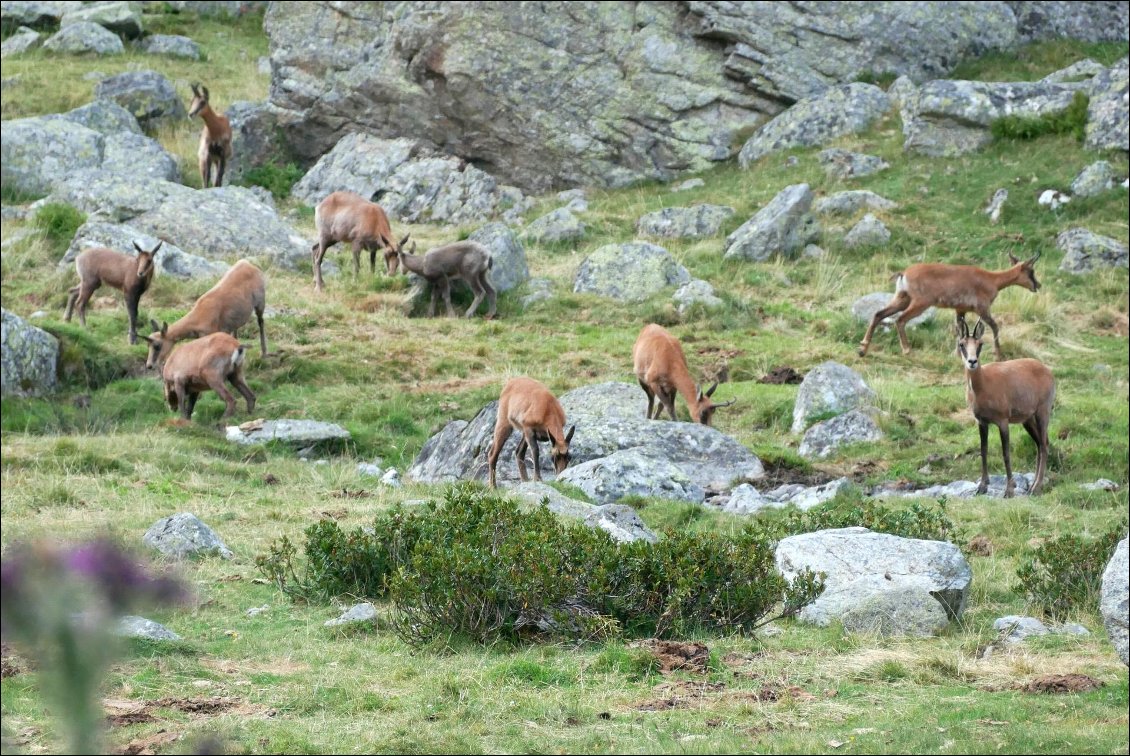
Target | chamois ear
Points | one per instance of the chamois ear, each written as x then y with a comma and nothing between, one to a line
164,328
710,391
979,330
154,325
569,435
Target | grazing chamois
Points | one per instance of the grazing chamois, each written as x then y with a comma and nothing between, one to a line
215,139
661,369
226,307
468,260
202,364
963,288
131,275
1014,391
345,216
528,407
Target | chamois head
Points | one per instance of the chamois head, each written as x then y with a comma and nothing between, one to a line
160,345
1027,273
969,344
561,456
145,259
706,407
199,99
392,255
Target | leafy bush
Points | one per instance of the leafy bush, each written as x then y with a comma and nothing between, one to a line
1071,121
1066,573
927,521
59,222
275,178
478,566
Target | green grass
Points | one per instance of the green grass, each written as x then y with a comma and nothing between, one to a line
117,463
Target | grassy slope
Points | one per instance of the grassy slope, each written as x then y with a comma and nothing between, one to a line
350,356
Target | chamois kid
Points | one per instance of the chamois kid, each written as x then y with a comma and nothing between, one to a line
131,275
468,260
528,407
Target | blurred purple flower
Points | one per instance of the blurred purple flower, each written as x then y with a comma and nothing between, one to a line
121,578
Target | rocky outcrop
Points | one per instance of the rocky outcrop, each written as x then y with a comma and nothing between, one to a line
852,427
23,40
694,222
29,358
747,500
632,472
147,94
1108,118
696,292
1086,251
112,197
869,232
84,37
170,259
1096,178
122,18
852,201
782,228
1114,601
867,571
37,153
295,432
829,388
171,45
508,257
629,272
556,226
184,536
38,14
844,164
106,117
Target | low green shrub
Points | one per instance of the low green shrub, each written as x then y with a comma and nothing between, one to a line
58,222
1066,573
1072,120
275,178
925,520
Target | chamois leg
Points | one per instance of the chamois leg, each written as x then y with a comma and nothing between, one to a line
72,295
355,250
432,302
171,396
668,399
319,255
84,297
262,333
181,390
520,458
501,433
221,164
191,401
216,383
477,288
898,304
1010,485
985,316
910,312
373,258
492,296
533,441
446,283
983,429
650,399
1037,429
205,172
131,310
241,386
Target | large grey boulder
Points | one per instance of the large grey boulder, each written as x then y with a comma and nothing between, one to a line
609,417
836,112
593,93
172,45
122,18
170,260
113,197
183,536
747,500
869,232
782,227
862,565
632,472
696,292
84,37
851,201
629,272
23,40
508,257
1108,118
37,153
865,307
621,522
147,94
1086,251
1114,601
555,226
132,626
852,427
358,163
904,610
694,222
829,388
256,139
294,432
947,118
29,358
36,14
1096,178
137,156
106,117
845,164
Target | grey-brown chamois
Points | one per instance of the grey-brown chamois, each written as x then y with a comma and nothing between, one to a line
467,260
130,275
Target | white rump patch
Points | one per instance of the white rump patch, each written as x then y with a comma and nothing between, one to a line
237,357
900,283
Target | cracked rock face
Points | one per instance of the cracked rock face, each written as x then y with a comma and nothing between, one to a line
29,356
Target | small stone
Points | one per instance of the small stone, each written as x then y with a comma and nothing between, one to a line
692,183
255,611
132,626
1096,178
391,478
869,232
357,613
369,470
1053,198
996,206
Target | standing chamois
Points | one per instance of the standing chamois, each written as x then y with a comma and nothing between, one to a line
215,139
203,364
661,368
131,275
468,260
963,288
345,216
528,407
1014,391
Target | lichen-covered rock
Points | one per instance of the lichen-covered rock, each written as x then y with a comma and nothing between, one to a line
996,206
256,139
1015,628
508,257
747,500
836,112
629,272
1087,251
845,164
84,37
183,536
1108,117
295,432
29,358
865,308
852,427
1096,178
696,292
133,626
846,203
138,157
963,489
170,260
36,14
621,522
172,45
358,163
104,116
782,227
356,614
113,197
904,610
23,40
1077,71
1114,601
869,232
555,226
861,565
122,18
829,388
632,472
148,95
536,494
694,222
538,290
38,153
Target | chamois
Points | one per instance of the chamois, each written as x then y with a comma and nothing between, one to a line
468,260
1014,391
963,288
131,275
202,364
215,139
528,407
345,216
225,307
661,368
